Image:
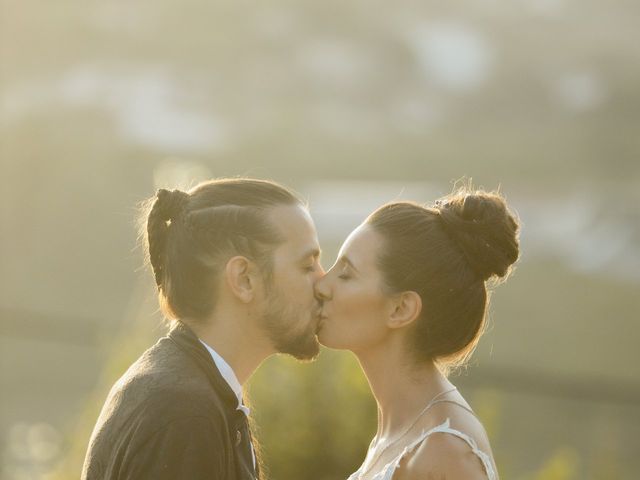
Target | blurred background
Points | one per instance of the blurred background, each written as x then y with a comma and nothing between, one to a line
353,104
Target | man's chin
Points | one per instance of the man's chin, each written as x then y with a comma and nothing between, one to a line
309,353
304,349
300,344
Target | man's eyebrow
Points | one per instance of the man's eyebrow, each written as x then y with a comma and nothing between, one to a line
312,252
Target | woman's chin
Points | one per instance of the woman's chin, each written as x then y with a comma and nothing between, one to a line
328,340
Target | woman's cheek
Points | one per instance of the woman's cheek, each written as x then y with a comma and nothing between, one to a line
358,307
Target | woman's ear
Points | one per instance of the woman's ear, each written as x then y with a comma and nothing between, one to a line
239,278
405,308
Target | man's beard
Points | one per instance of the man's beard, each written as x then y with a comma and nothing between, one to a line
280,321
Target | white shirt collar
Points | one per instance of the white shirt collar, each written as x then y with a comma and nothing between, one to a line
230,377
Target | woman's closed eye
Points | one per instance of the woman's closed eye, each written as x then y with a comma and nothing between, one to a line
344,275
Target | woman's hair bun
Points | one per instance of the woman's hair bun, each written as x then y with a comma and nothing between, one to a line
483,228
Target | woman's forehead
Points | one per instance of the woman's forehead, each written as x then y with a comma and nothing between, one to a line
361,246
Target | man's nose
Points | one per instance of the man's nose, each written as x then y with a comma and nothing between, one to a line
321,288
320,272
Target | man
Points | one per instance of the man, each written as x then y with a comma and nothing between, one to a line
235,261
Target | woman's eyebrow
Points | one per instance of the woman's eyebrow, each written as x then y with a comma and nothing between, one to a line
346,260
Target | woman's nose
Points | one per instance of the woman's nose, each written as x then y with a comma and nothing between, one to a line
322,289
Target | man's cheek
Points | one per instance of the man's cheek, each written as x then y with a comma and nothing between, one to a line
302,289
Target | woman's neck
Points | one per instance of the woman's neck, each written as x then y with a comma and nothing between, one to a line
401,388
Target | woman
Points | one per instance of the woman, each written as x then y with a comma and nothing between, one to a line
408,296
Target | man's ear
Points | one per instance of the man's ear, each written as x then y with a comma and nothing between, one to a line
405,308
239,275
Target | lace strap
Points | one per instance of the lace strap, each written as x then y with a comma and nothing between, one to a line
444,400
484,458
390,468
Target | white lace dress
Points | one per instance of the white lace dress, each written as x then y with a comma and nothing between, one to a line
386,473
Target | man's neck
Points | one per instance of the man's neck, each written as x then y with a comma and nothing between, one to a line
233,337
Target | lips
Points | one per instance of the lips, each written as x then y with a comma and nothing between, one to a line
319,313
321,318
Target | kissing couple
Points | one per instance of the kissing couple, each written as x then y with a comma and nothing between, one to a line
236,264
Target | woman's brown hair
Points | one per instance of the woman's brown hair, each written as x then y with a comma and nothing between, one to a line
446,253
189,235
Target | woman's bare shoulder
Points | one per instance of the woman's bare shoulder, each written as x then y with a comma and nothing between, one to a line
442,456
464,421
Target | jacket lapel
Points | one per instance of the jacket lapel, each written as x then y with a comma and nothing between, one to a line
240,432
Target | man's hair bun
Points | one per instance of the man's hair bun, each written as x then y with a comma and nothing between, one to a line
170,203
166,208
483,229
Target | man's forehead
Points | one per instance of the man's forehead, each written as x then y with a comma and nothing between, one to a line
295,225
